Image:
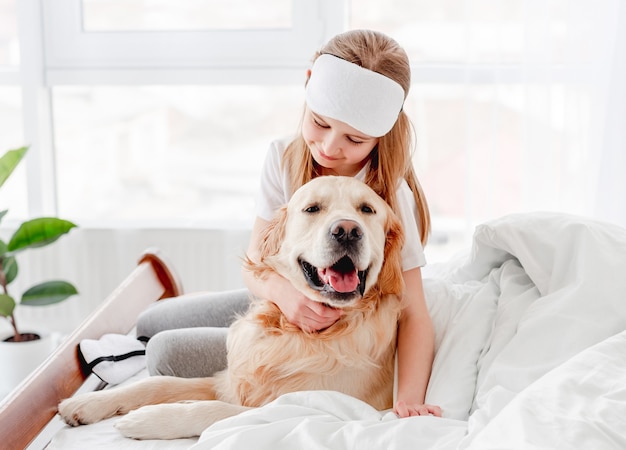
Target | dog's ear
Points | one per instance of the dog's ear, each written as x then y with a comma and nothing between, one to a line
274,234
271,238
390,279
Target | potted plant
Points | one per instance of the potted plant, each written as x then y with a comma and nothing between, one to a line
33,233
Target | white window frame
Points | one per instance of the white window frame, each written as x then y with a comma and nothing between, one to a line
75,56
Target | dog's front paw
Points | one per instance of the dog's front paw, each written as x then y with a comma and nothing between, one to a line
166,421
87,408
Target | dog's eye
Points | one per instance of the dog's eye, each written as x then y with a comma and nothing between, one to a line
312,209
367,209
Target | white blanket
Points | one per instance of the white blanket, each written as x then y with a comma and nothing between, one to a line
535,291
580,405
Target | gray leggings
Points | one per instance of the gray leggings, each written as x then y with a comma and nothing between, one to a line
187,334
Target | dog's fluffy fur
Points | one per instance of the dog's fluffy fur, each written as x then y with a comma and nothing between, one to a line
338,243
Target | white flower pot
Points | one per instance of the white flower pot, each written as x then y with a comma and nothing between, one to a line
19,359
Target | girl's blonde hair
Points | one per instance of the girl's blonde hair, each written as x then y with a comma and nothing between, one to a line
391,158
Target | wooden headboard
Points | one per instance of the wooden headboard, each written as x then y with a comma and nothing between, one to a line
34,402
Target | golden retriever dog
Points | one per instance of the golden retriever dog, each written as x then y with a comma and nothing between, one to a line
338,243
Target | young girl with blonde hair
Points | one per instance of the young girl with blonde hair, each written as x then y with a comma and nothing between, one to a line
353,125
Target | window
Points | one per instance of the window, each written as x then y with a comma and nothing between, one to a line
167,153
76,43
163,110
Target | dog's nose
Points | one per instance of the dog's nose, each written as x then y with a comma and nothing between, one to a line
346,231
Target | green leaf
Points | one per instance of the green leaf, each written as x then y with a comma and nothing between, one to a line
48,293
3,213
9,263
38,233
7,305
9,162
10,269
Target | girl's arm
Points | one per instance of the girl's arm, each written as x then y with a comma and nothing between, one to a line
301,311
415,350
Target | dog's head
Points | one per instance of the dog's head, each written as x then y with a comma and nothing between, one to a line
331,241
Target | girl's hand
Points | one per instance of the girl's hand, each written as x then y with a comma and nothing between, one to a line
308,314
403,410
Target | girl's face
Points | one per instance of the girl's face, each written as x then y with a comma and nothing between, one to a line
337,147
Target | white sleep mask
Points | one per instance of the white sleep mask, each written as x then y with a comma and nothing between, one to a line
366,100
113,358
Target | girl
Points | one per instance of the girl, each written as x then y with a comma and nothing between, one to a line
353,125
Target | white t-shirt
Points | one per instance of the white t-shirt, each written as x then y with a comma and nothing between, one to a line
275,188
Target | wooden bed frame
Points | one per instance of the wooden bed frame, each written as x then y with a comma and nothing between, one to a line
29,408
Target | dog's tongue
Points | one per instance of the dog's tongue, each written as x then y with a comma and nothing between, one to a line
340,281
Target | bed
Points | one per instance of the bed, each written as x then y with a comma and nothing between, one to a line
530,353
32,405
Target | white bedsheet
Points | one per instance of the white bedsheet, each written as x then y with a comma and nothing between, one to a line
103,436
534,293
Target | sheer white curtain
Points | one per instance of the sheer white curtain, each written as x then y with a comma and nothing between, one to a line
610,126
519,105
575,107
